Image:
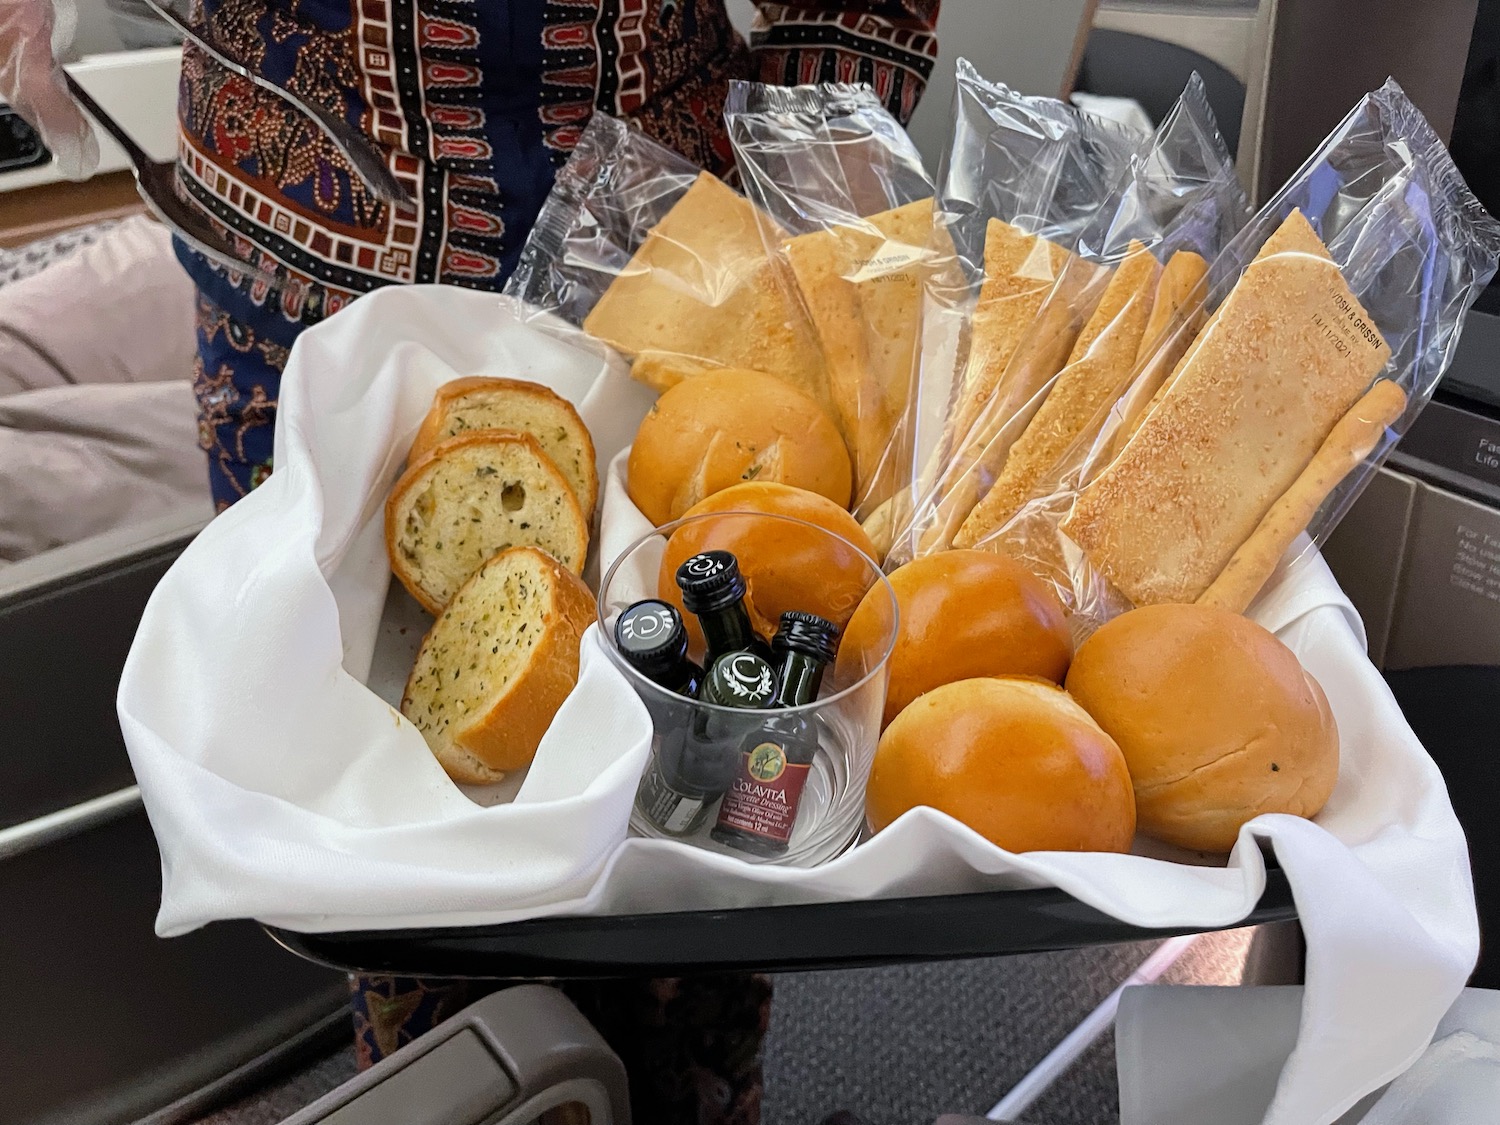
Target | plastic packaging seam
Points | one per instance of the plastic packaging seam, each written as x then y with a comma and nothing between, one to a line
547,241
1218,179
755,97
1469,222
1051,117
606,141
1059,117
1195,99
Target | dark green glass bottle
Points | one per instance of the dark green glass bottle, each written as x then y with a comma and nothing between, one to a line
713,590
695,762
759,809
651,636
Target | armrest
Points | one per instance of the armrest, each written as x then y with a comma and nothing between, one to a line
505,1060
67,619
97,555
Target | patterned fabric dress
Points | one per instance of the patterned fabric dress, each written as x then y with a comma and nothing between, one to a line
476,104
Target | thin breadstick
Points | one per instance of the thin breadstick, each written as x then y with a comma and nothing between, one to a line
1347,444
977,461
880,526
1102,358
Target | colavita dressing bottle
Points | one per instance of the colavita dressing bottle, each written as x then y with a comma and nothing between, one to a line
713,589
651,636
696,760
760,806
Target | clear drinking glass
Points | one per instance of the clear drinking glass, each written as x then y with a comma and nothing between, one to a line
788,564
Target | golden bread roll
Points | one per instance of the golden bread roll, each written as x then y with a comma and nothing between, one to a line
963,614
498,663
786,566
1016,760
484,403
470,497
1217,720
724,428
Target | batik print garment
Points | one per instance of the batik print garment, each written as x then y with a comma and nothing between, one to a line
475,104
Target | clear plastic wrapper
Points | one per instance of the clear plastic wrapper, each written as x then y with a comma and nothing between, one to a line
1037,163
663,262
1072,345
1335,312
1018,169
32,34
846,216
616,186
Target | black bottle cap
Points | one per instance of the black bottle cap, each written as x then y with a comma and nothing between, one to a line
650,635
739,679
808,634
710,581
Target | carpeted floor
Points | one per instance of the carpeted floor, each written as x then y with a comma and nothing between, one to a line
901,1045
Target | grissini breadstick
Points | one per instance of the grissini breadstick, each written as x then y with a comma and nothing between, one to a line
1101,359
1020,269
980,455
1349,443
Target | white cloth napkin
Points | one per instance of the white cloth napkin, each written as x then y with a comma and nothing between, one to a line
1191,1055
282,788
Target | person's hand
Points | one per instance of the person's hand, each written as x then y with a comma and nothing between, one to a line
32,82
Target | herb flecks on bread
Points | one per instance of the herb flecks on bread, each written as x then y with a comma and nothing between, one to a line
497,665
483,403
469,498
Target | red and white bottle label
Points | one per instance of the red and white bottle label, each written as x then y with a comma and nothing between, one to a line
765,793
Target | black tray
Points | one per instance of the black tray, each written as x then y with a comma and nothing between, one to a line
758,939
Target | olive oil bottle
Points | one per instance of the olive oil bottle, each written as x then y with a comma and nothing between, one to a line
759,809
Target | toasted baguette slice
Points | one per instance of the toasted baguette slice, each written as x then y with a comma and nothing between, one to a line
498,663
481,403
474,495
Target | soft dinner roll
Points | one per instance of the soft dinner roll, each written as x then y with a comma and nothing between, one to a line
498,663
1217,720
786,565
963,614
724,428
1015,759
483,403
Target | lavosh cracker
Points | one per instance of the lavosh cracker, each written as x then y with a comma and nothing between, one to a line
702,287
1285,357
